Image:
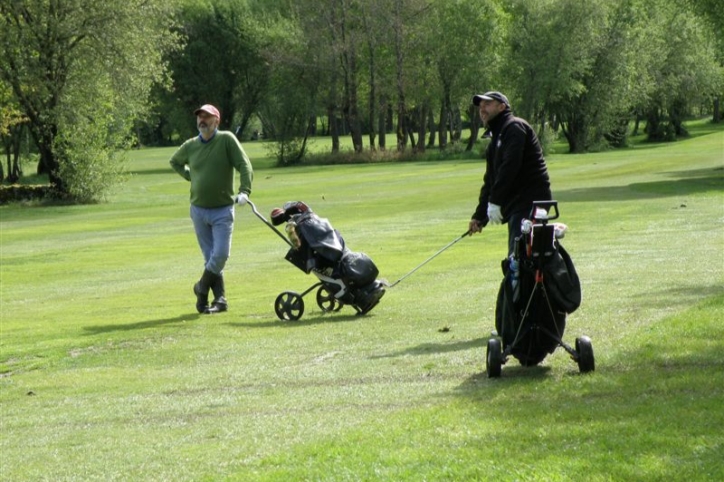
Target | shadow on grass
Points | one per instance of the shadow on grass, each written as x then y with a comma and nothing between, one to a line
511,370
141,325
304,321
679,296
427,348
687,182
155,171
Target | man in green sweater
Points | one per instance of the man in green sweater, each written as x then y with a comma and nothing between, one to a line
208,161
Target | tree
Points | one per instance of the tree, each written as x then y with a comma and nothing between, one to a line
712,15
221,63
465,43
377,58
571,61
685,71
289,109
81,71
12,124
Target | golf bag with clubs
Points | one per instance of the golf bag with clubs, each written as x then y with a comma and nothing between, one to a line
540,287
345,277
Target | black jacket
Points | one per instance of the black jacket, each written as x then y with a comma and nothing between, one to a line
515,173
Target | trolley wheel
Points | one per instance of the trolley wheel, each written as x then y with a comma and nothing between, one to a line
289,306
494,358
584,348
326,300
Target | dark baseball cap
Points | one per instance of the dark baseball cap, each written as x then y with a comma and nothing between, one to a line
491,95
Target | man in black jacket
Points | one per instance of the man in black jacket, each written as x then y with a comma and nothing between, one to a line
515,174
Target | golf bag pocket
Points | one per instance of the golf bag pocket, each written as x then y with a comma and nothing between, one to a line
561,281
357,269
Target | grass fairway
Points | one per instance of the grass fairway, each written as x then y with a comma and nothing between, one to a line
108,374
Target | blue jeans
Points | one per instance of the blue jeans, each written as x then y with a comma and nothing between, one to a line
213,228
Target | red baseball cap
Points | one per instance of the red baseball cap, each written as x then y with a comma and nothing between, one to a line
210,109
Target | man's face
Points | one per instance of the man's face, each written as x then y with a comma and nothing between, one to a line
206,123
489,109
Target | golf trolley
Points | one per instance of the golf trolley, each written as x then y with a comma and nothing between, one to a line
539,288
344,277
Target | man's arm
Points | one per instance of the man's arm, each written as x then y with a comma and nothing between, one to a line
179,162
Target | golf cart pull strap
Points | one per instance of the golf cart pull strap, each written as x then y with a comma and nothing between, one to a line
466,233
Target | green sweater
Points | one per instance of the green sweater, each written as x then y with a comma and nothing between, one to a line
209,165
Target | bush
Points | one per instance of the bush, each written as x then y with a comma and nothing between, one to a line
91,157
24,193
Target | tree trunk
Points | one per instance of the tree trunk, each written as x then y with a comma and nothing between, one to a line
12,143
474,128
637,124
49,164
333,128
16,172
716,118
371,118
350,109
575,133
442,128
7,156
677,112
382,123
400,84
431,127
456,127
410,127
401,125
373,92
421,127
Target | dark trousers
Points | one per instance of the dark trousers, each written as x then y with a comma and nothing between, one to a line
514,229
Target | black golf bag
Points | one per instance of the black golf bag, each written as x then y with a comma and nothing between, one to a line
540,287
345,277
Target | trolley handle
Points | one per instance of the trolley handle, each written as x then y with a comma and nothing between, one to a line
271,226
550,207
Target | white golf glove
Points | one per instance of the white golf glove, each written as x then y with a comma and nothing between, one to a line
494,214
242,199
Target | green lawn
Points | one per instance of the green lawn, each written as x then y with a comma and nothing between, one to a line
107,373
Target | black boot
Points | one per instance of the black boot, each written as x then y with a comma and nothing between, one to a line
201,290
219,304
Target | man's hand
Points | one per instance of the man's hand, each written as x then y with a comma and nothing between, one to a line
242,198
474,226
494,214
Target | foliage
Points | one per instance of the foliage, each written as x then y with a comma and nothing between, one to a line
63,56
453,38
12,123
685,72
221,63
582,70
573,63
24,193
288,117
90,168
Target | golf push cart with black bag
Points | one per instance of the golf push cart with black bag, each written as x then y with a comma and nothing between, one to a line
539,288
344,277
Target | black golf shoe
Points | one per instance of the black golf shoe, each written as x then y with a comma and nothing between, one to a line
202,299
219,305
